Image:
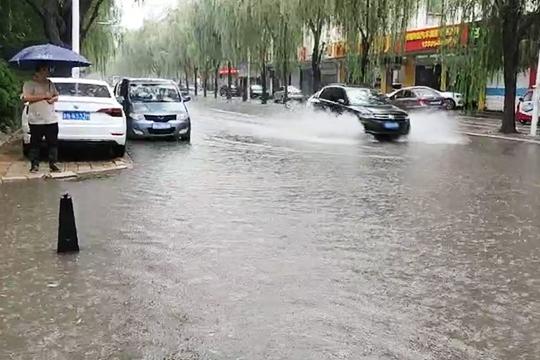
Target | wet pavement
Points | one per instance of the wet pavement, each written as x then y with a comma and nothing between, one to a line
282,236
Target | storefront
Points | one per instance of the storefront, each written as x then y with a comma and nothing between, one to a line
332,68
420,63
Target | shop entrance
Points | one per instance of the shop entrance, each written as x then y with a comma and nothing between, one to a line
428,75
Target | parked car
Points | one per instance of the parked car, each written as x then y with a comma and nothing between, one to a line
256,91
417,98
380,118
155,109
88,113
183,90
235,91
524,108
293,94
452,100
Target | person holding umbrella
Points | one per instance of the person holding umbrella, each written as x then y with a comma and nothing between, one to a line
41,94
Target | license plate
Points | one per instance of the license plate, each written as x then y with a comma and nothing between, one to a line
76,115
161,126
391,125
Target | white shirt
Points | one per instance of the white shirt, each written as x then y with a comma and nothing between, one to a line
41,112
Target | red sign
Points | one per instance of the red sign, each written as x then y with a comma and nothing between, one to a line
225,71
433,38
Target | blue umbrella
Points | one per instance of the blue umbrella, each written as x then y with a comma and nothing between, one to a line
54,55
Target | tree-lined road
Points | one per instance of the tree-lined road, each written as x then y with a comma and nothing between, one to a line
282,235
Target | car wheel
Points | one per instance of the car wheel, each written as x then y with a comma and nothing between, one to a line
119,150
385,137
449,104
25,149
186,137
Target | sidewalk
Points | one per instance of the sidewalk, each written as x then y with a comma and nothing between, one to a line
489,127
484,125
14,167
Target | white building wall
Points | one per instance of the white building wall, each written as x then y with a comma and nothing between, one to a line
495,90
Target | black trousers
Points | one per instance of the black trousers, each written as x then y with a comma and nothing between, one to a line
37,132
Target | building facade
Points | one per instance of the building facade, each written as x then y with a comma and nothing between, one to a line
419,62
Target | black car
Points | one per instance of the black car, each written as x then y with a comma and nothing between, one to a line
379,117
235,90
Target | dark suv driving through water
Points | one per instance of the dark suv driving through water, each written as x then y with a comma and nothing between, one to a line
380,118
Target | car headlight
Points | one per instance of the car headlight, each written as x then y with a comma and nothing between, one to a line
182,116
527,107
136,116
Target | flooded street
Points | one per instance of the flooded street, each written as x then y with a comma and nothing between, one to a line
282,236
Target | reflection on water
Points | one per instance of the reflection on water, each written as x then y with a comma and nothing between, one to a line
260,240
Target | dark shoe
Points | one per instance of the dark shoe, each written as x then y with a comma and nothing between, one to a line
54,168
34,168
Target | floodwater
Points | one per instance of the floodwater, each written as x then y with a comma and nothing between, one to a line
283,235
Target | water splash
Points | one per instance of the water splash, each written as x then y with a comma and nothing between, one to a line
439,127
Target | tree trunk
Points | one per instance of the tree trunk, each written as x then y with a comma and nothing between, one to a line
244,89
187,81
195,82
316,62
229,80
205,85
216,74
511,62
364,60
285,67
56,18
264,95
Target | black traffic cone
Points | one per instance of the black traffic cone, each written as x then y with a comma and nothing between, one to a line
67,231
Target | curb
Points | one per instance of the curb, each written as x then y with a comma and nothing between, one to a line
125,163
502,137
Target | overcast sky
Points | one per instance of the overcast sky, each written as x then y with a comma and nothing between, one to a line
133,15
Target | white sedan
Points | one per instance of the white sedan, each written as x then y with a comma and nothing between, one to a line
452,100
87,112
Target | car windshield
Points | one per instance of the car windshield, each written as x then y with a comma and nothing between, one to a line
365,97
528,96
256,87
154,92
82,89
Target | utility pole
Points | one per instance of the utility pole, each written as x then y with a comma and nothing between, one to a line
75,33
536,100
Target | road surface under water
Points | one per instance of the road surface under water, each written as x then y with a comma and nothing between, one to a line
282,236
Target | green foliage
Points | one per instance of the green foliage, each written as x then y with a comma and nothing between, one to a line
10,89
19,26
508,33
364,24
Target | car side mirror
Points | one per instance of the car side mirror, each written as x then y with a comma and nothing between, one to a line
342,102
186,98
521,99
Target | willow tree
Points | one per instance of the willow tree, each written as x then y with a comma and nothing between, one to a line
55,16
509,33
364,23
98,18
289,39
207,38
316,15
